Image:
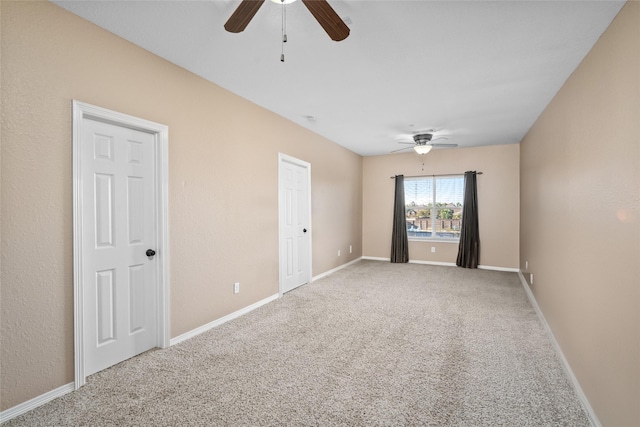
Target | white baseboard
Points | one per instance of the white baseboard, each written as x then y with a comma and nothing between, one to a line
373,258
204,328
327,273
490,267
419,261
446,264
595,422
31,404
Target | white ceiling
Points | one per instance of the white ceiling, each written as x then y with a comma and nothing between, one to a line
480,72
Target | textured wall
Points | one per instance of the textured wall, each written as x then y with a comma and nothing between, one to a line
223,180
498,201
580,224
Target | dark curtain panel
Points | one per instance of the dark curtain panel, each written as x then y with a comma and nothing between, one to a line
469,247
399,241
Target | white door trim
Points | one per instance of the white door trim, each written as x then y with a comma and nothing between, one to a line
281,268
86,111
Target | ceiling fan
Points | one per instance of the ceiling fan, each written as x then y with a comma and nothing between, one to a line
320,9
423,143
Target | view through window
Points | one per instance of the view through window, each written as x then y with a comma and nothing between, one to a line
433,206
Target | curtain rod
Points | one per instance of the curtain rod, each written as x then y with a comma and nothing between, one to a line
446,174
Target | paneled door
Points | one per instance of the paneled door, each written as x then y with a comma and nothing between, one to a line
295,223
119,243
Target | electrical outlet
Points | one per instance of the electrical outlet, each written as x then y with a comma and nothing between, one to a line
531,280
433,249
236,287
338,252
350,249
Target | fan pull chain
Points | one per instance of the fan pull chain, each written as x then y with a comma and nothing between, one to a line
284,28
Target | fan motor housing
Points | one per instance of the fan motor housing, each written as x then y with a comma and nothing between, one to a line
422,138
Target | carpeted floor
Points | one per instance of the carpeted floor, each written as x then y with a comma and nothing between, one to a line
374,344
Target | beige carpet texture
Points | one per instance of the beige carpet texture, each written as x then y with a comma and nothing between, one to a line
374,344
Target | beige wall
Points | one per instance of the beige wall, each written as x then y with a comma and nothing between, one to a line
498,201
223,174
580,224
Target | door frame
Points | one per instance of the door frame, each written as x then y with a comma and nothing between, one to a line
282,158
82,111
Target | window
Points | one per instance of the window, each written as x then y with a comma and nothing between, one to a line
434,207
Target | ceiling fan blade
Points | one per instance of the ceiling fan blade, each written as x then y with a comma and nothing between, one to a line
408,143
444,145
242,15
439,137
401,149
328,19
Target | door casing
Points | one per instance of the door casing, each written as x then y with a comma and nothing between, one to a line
83,111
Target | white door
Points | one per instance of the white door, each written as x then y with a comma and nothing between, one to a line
119,227
295,223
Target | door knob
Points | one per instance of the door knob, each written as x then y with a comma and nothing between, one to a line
304,230
150,253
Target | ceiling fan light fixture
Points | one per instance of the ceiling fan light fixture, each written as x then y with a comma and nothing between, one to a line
422,149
